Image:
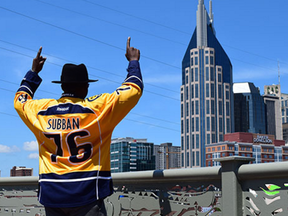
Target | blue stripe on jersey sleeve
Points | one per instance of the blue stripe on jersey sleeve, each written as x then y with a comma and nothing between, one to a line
30,83
134,74
66,108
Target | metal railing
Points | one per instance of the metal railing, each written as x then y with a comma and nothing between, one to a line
235,188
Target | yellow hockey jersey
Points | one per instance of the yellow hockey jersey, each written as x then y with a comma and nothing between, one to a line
74,137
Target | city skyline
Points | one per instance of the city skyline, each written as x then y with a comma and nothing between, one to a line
96,35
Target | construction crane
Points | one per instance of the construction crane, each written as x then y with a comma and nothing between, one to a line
167,156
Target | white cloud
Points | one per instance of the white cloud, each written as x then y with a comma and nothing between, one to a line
31,146
33,156
8,149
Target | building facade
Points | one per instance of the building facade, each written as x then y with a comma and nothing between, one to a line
264,148
249,108
272,100
167,156
21,171
207,105
129,154
284,108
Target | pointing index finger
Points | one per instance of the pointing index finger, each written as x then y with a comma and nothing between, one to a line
39,52
128,43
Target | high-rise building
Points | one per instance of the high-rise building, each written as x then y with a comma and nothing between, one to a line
284,108
21,171
129,154
249,109
207,106
272,100
167,156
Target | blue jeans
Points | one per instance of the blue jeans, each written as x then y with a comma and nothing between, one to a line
93,209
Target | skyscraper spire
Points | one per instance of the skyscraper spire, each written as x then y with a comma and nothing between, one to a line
211,13
201,25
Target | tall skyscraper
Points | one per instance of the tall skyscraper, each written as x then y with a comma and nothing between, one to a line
250,114
207,106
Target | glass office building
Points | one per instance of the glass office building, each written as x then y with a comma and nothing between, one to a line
129,154
207,106
250,114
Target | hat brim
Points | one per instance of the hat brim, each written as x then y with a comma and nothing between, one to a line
59,82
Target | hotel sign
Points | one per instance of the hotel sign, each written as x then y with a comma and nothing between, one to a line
263,139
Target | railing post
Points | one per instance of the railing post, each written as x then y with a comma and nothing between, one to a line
231,187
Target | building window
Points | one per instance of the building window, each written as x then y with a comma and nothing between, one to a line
182,159
192,125
213,138
220,107
182,143
193,159
196,91
182,131
228,125
193,142
212,90
186,79
187,109
208,139
187,93
196,74
219,91
211,73
197,107
192,91
197,141
227,95
181,110
187,125
197,158
181,96
213,123
192,108
196,60
207,73
207,89
187,158
192,75
227,109
212,107
219,77
220,125
197,123
207,107
211,60
208,123
187,142
206,60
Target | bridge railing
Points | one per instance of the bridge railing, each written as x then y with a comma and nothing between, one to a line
235,188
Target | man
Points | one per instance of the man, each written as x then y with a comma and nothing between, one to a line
74,135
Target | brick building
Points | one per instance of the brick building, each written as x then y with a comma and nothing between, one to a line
264,148
21,171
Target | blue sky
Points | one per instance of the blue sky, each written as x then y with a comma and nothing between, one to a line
253,33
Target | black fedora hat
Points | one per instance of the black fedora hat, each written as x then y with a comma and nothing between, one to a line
72,73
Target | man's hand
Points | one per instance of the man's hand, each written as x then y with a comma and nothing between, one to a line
38,62
131,52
